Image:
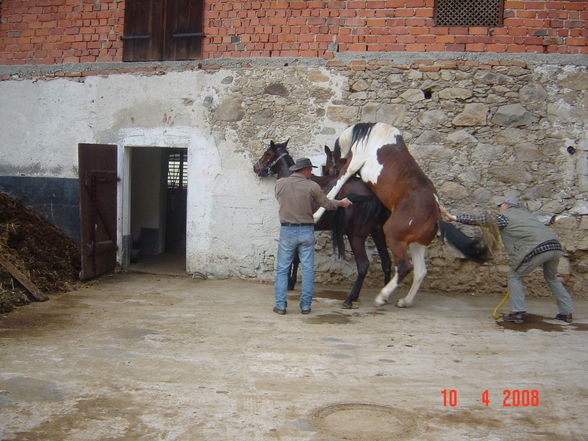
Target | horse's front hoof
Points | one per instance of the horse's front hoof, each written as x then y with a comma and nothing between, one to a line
347,305
378,303
402,304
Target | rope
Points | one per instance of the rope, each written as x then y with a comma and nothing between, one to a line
495,314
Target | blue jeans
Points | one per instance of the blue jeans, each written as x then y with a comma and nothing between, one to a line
295,240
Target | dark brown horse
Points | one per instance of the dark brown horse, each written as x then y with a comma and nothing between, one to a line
378,153
362,219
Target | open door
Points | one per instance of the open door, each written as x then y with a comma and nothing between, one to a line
97,164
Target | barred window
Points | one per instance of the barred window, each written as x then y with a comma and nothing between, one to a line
469,12
177,169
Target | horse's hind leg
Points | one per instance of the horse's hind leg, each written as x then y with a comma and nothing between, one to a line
380,242
417,253
402,269
293,273
362,262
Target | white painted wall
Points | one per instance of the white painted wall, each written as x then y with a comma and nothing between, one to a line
232,215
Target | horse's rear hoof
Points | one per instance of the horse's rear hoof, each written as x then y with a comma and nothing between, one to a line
346,305
402,304
379,303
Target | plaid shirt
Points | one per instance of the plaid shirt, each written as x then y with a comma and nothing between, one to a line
502,221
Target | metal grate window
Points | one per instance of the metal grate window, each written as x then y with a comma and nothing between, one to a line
177,170
469,12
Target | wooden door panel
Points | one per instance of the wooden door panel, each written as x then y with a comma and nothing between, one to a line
183,34
143,35
97,164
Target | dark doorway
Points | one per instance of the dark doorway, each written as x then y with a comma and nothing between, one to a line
159,188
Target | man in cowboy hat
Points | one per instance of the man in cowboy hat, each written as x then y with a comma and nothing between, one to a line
529,244
298,197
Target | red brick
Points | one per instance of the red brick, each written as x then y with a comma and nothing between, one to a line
380,26
475,47
415,47
404,13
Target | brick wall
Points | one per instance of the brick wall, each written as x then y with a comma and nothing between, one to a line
78,31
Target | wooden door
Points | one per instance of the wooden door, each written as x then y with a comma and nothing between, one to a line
97,165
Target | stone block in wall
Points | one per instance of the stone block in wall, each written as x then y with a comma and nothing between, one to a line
474,114
393,114
455,93
345,114
533,96
510,174
576,81
460,137
433,118
276,89
413,95
360,86
513,115
229,110
453,192
316,76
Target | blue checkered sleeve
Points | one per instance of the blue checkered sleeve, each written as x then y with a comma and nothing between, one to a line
470,219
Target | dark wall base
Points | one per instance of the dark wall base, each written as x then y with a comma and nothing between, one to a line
57,200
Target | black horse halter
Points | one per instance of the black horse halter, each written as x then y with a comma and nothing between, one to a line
266,170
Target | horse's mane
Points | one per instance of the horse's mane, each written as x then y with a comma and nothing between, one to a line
351,135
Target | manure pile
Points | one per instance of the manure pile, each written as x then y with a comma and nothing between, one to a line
39,250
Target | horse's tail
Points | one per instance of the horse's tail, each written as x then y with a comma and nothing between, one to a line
365,208
491,234
474,249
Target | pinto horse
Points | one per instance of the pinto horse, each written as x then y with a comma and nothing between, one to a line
378,153
362,219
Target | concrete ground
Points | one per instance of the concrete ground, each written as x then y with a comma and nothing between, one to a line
151,357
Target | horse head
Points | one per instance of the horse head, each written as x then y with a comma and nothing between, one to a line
334,163
266,164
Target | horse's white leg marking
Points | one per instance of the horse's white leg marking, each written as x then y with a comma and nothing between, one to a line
417,254
384,294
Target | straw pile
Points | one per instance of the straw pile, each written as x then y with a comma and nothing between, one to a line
38,249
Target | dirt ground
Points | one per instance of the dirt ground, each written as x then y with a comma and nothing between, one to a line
149,357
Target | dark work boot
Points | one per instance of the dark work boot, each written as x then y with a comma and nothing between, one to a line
564,317
515,317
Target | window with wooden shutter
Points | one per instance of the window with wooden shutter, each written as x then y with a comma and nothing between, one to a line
162,30
469,12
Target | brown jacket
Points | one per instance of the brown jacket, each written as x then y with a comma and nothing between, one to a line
299,198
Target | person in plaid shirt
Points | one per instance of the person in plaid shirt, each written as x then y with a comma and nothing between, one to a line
529,244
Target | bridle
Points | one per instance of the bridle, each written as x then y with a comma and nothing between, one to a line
266,170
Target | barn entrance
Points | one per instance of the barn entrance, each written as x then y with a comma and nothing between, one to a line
158,201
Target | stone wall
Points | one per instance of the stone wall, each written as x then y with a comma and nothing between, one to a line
478,129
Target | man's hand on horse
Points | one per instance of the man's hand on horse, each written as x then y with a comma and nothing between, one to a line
344,203
445,214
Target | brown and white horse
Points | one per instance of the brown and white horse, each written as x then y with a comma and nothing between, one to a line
378,153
